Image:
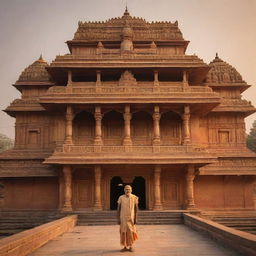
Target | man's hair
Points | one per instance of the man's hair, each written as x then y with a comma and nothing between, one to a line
127,186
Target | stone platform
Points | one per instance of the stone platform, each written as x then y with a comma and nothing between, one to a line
154,240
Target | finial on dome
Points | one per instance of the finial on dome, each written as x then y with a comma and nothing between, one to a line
41,58
217,56
126,12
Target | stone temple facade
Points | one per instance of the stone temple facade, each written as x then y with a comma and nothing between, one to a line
128,106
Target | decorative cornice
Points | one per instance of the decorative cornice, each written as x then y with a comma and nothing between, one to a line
112,29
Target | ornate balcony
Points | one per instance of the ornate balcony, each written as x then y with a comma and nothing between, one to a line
114,87
142,92
177,154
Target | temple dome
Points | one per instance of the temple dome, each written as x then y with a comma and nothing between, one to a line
35,72
223,73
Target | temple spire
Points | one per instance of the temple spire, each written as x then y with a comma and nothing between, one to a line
126,12
41,58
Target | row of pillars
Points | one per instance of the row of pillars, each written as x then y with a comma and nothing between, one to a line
156,78
67,197
127,141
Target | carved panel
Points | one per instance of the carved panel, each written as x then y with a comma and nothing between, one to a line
33,137
113,128
171,129
170,192
84,129
224,136
83,194
141,129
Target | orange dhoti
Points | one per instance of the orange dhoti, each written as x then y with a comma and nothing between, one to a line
128,232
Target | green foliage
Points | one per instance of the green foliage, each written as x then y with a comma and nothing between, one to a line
5,143
251,138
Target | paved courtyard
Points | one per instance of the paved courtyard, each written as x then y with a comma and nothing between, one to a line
155,240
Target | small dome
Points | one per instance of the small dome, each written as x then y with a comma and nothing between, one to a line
222,73
35,72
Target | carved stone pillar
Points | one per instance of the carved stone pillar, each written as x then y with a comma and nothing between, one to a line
190,176
98,127
127,126
97,188
69,77
186,125
2,188
156,126
69,125
156,81
67,187
98,80
185,78
61,190
157,188
254,191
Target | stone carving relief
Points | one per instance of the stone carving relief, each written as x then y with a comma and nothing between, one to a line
127,79
143,30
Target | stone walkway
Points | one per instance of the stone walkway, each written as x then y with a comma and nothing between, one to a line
155,240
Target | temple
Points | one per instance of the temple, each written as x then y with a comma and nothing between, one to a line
127,105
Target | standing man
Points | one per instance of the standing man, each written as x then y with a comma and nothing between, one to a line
127,217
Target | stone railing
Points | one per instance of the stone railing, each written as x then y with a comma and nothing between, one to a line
237,102
26,242
240,241
91,57
141,88
83,149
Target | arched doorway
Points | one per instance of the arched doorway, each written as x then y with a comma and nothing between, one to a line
116,190
138,189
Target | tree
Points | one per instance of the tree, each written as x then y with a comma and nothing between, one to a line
5,142
251,138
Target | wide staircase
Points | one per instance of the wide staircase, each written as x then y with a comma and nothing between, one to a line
244,221
12,222
144,218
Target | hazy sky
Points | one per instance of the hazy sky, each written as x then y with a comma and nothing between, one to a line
31,27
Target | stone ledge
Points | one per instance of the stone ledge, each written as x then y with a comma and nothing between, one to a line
26,242
241,241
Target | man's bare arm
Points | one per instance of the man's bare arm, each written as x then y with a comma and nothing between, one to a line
135,213
118,213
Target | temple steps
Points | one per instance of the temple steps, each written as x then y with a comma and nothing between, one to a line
144,218
240,220
12,222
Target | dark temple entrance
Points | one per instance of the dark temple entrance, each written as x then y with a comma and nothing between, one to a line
138,189
116,190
